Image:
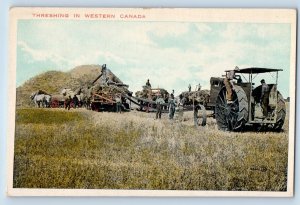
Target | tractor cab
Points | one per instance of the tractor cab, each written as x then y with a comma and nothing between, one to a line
249,103
255,93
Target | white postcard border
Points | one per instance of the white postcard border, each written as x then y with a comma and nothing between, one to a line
155,14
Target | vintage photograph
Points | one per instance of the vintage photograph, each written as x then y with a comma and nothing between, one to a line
151,102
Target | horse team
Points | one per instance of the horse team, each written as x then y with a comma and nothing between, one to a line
67,98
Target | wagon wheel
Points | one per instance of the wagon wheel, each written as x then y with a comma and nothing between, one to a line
54,103
280,113
232,116
199,115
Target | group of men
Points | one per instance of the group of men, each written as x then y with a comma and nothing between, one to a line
172,103
198,87
160,103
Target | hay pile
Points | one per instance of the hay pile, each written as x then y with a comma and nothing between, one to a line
201,96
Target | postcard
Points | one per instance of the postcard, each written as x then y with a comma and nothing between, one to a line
151,102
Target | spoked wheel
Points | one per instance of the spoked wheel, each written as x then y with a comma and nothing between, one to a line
199,115
232,116
280,114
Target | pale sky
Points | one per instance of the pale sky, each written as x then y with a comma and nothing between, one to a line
171,54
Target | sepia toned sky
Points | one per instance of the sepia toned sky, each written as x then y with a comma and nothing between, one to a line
170,54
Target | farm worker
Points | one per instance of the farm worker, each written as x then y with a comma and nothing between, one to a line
264,99
68,103
75,101
199,87
148,83
239,79
103,78
172,105
228,82
118,103
180,107
181,100
190,88
159,104
166,98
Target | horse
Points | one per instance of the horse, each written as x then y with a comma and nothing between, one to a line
66,92
38,99
47,100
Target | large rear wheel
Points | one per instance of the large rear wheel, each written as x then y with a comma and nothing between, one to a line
232,116
280,113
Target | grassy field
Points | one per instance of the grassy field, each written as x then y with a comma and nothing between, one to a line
85,149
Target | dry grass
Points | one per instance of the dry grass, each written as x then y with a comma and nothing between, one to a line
85,149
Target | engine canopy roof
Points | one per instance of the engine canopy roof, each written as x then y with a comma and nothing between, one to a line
255,70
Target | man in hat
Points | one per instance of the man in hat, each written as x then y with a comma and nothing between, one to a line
118,100
180,105
148,83
239,79
159,104
103,78
264,99
199,87
172,105
228,82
